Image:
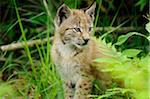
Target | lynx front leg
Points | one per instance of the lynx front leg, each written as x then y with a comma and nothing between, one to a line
68,90
83,89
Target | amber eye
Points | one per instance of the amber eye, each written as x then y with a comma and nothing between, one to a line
77,29
67,29
90,29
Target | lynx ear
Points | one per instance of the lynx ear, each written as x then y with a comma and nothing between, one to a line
91,11
62,14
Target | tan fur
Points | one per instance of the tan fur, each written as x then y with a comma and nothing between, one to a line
73,58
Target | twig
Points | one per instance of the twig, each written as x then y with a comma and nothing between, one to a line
20,45
121,29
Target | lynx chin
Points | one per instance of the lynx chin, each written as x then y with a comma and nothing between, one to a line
74,50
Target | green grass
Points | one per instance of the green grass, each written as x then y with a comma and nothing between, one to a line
31,73
43,78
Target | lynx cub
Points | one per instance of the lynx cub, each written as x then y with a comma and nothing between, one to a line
73,50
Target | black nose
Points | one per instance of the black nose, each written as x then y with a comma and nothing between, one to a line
85,41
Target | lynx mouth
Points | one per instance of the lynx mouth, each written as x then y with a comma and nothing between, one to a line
83,44
80,46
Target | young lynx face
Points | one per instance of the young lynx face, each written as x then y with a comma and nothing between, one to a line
74,27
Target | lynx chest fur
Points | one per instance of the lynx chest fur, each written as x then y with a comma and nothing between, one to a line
74,63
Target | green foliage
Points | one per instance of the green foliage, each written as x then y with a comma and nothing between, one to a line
73,5
131,52
111,92
133,72
142,4
123,38
6,91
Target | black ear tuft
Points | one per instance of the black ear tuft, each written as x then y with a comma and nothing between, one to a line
91,10
62,14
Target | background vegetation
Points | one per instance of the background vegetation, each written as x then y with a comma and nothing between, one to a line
122,28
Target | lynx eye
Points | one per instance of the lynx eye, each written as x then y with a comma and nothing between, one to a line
90,29
77,29
67,29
